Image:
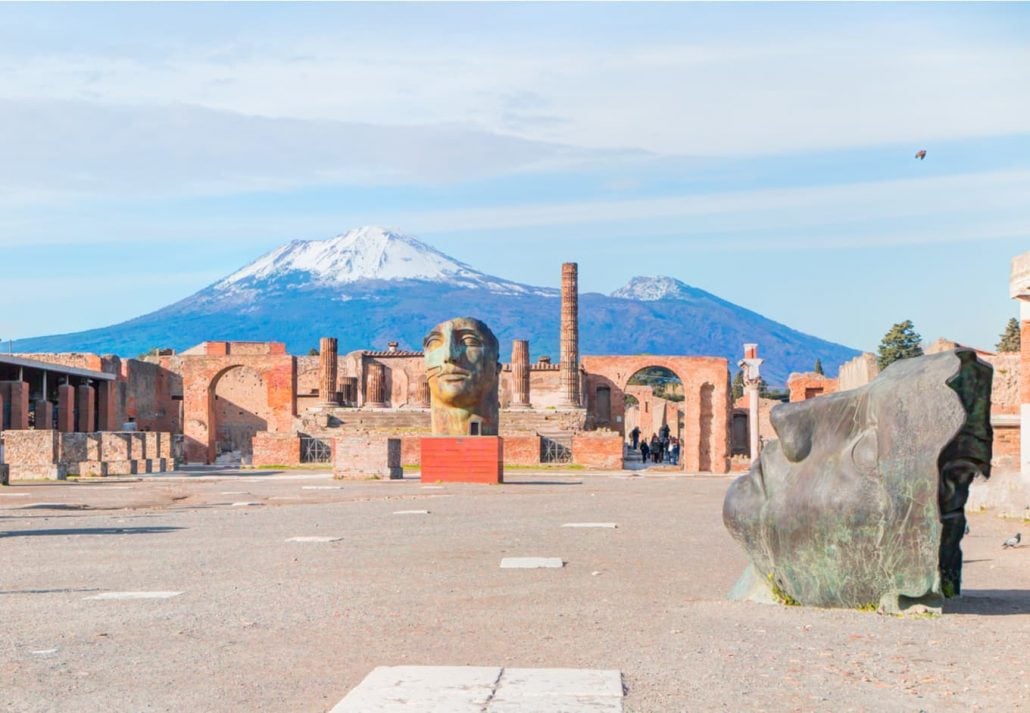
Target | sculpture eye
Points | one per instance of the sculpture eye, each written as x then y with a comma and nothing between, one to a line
471,340
431,342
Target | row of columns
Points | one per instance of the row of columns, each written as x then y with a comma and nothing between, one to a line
76,408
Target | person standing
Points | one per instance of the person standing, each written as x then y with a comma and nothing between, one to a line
635,435
644,451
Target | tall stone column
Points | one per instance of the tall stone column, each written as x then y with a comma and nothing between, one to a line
375,385
1,409
1019,289
520,373
327,365
422,393
107,396
569,343
66,408
85,407
752,378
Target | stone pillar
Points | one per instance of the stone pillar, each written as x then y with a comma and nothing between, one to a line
375,385
520,373
85,405
1,409
18,396
327,372
569,341
752,378
107,392
44,415
66,408
422,395
1019,289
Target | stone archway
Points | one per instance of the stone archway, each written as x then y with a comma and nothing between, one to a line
238,410
705,407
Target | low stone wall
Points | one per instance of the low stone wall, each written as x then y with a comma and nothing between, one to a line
522,450
275,449
603,452
367,456
52,455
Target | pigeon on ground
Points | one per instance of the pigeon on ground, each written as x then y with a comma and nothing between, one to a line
921,154
967,529
1012,541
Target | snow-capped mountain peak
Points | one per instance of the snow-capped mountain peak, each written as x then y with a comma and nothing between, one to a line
368,253
648,289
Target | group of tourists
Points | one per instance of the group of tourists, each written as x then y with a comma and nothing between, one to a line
660,449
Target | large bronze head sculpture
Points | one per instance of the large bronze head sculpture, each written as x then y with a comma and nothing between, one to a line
463,374
860,501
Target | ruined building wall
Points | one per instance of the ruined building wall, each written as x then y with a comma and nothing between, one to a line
153,394
857,372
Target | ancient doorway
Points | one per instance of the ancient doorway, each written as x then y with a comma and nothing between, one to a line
239,409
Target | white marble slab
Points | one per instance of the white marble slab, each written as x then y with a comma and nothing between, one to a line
133,595
411,512
609,525
532,563
314,539
246,504
484,689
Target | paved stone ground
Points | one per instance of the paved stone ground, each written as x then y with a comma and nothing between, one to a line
264,623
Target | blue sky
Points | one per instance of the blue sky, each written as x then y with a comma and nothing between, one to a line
763,152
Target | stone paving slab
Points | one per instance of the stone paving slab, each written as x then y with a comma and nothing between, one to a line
134,595
609,525
484,689
532,563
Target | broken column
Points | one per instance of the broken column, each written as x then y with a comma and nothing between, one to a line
44,415
1019,289
569,342
85,407
107,399
17,393
520,373
749,366
375,385
327,365
66,408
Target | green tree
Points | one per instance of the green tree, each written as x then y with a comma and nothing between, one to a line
313,351
900,342
818,367
738,385
1010,337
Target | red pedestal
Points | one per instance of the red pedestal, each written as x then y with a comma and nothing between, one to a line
472,459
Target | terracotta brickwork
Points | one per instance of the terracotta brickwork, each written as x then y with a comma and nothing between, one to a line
522,450
367,456
16,396
275,449
47,454
706,404
809,385
603,451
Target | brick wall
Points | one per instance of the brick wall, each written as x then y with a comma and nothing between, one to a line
808,385
275,449
593,450
367,456
522,450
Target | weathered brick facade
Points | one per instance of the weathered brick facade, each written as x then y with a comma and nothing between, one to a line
809,385
276,449
601,451
367,456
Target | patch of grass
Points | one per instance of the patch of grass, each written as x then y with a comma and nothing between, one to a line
873,608
781,596
410,467
279,466
546,466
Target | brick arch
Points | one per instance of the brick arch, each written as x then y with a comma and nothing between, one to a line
706,405
200,377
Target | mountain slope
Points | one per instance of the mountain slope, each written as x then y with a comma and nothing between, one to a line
370,286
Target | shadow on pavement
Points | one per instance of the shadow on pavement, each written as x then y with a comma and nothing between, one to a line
91,531
990,602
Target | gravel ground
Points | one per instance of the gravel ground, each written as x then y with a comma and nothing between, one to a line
263,624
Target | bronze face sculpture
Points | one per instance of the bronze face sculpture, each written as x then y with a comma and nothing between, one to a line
463,375
860,501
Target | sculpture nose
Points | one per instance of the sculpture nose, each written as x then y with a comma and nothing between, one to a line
453,351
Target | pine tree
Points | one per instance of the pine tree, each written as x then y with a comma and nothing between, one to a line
738,385
818,367
901,342
1010,337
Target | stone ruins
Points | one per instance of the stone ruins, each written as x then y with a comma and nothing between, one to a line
252,403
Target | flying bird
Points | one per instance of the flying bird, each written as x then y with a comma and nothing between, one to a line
921,154
1012,541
